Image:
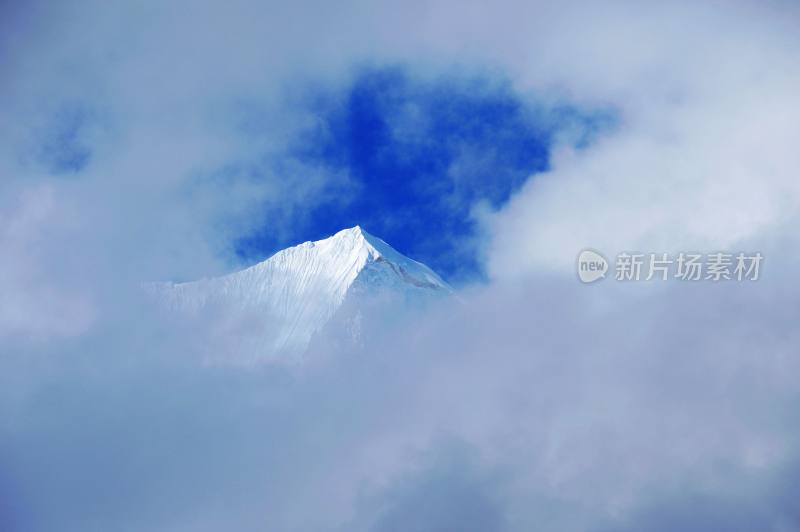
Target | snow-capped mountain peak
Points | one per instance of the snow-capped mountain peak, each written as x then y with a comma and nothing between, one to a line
295,292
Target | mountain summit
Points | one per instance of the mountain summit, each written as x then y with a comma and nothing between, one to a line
294,293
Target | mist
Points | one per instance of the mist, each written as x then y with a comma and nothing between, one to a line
139,143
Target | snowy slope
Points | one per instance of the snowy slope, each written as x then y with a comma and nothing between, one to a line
297,291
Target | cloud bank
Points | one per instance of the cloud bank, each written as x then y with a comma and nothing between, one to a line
139,142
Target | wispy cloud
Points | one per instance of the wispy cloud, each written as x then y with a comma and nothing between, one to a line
535,403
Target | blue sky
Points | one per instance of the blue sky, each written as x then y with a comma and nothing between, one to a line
421,154
62,150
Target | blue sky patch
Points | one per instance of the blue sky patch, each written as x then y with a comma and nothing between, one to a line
420,156
62,149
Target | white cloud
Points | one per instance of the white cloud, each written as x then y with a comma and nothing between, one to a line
702,158
539,402
38,302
